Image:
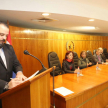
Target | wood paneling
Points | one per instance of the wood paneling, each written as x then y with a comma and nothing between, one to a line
90,90
40,89
40,43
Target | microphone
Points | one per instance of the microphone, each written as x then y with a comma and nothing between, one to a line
43,67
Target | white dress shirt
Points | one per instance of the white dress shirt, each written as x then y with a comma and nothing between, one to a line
3,56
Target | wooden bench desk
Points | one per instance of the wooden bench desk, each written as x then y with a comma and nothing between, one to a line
90,90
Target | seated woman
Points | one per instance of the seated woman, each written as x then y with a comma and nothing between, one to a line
83,62
68,63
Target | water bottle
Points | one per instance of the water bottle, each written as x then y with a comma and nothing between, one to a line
78,73
97,66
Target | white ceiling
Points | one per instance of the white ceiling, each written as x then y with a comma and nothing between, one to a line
69,13
98,3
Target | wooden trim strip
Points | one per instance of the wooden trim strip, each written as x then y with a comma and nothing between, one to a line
55,39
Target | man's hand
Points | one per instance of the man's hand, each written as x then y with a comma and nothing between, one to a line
90,63
14,82
20,76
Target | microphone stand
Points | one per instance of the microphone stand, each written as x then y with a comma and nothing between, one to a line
53,90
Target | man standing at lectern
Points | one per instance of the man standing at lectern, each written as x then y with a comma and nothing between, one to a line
8,62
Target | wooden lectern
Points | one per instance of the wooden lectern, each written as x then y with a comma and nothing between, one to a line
34,93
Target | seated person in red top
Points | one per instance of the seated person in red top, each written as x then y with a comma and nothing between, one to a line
68,63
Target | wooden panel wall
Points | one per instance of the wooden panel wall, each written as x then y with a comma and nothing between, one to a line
40,43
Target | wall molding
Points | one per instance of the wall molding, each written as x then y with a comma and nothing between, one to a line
54,39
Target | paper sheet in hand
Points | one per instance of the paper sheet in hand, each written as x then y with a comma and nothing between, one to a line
32,76
63,91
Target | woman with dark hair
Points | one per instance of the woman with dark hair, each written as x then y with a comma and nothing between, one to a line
68,63
83,62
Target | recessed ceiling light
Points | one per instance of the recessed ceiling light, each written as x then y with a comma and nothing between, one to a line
84,28
45,14
88,27
91,19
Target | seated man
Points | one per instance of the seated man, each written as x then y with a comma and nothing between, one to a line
102,55
97,57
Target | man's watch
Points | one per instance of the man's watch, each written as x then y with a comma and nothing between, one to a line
6,86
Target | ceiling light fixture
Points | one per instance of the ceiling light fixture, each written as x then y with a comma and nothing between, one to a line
88,27
82,28
91,19
45,14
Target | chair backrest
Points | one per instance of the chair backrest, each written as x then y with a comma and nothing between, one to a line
105,52
89,56
75,58
53,60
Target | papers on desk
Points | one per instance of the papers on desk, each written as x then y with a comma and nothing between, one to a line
32,76
106,63
81,75
63,91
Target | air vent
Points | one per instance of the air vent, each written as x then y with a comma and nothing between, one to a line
44,19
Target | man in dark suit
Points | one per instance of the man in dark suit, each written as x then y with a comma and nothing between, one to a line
102,54
97,57
8,62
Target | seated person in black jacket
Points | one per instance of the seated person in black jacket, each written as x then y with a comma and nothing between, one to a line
102,55
68,63
83,62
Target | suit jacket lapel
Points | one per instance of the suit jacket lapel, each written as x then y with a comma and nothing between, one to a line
1,61
6,56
